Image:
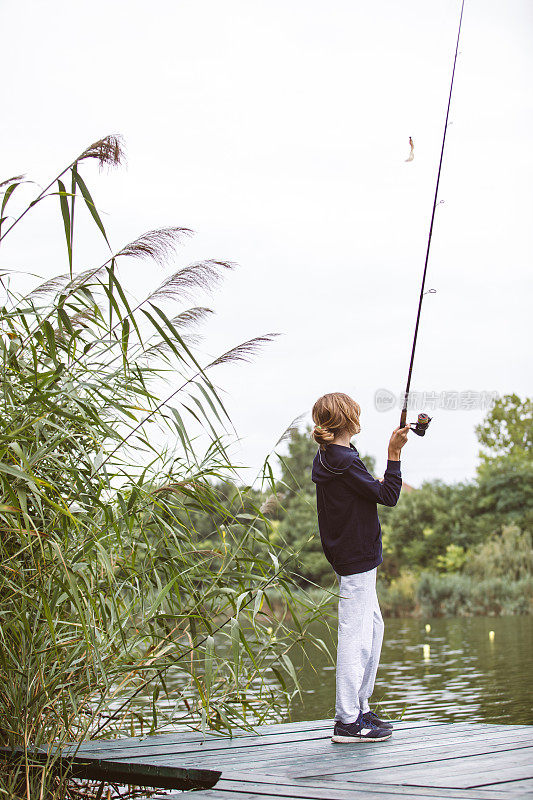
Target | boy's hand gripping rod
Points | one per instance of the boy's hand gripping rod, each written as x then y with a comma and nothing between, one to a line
421,425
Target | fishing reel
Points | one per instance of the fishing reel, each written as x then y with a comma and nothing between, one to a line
421,425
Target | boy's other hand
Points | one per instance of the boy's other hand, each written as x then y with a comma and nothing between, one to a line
397,441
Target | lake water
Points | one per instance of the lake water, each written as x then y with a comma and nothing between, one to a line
456,671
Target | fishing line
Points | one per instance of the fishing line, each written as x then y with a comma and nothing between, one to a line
421,425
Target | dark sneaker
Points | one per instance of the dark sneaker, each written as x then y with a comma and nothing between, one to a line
372,719
347,732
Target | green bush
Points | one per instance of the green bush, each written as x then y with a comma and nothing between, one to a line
506,555
462,595
398,598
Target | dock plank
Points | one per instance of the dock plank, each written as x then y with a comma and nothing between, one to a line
492,777
342,790
194,737
333,793
330,794
124,772
360,786
461,774
523,784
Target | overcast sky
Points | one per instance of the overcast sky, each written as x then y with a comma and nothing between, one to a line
278,131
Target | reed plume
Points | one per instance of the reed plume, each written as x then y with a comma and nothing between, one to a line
201,275
270,505
293,427
244,351
50,286
108,151
158,244
192,316
9,181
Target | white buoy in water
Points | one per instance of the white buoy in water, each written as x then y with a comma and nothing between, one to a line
426,651
491,636
428,627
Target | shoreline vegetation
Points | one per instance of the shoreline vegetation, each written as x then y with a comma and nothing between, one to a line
432,595
126,574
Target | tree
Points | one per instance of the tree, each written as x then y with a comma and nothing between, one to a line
506,555
424,523
297,464
505,474
505,493
507,430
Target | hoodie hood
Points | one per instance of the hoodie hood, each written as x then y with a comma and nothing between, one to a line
332,462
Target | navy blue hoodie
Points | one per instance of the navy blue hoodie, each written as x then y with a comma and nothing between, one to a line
347,496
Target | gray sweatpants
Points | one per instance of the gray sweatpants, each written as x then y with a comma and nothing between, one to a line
359,643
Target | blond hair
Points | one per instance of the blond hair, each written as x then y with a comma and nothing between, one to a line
332,414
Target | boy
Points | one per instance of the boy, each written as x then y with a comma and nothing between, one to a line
347,497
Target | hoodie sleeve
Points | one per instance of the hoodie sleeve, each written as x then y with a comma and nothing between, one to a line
358,478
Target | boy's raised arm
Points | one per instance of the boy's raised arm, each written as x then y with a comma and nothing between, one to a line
387,491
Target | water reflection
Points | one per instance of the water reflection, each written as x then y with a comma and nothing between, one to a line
459,669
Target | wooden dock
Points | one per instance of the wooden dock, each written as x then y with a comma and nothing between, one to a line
427,759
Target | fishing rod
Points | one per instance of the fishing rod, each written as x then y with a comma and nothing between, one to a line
421,425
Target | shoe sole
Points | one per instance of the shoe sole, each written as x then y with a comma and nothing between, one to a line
349,739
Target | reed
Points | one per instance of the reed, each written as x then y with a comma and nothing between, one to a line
131,593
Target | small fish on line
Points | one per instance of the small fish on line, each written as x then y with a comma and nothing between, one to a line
412,153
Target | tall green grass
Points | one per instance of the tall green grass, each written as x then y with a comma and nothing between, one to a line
131,596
